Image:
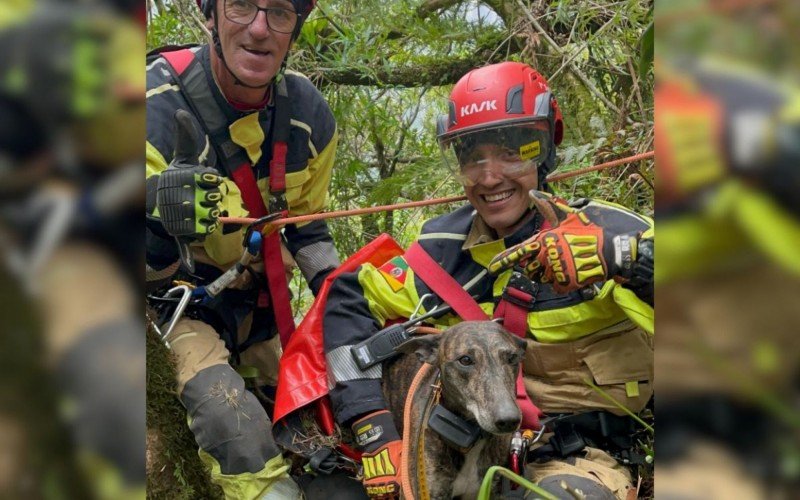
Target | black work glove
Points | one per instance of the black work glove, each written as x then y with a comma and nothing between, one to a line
188,195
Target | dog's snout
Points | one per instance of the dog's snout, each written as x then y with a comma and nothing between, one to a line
507,424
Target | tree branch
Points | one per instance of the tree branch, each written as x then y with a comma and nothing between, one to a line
434,73
573,69
428,7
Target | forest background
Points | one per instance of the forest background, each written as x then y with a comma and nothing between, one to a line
386,69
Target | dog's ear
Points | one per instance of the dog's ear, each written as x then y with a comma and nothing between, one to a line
426,347
521,343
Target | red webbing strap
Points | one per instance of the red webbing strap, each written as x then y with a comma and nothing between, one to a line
277,167
271,250
179,59
442,284
515,316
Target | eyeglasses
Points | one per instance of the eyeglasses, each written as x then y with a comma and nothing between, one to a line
244,12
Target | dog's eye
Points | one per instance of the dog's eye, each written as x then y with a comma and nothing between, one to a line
513,358
466,360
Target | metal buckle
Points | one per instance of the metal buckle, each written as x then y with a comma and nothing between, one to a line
277,202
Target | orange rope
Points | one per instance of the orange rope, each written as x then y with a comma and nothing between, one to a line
405,479
345,213
423,203
601,166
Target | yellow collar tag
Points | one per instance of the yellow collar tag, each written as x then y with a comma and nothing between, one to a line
247,133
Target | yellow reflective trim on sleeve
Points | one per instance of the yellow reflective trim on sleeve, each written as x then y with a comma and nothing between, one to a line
154,160
632,389
307,128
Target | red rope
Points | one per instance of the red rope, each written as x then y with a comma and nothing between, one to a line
423,203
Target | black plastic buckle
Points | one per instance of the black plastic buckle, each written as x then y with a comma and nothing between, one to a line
521,283
456,431
566,440
323,461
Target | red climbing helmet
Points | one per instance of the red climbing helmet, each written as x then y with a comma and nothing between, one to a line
509,105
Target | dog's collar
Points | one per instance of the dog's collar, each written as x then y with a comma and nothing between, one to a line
454,430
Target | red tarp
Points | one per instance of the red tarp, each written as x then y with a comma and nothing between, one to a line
303,375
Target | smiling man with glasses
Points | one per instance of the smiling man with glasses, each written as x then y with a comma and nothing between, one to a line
256,139
251,44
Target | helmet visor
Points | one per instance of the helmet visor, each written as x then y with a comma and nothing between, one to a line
510,151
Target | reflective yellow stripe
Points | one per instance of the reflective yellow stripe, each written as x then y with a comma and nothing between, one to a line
161,89
247,485
307,128
388,466
379,469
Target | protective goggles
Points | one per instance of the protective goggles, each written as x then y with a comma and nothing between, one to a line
510,151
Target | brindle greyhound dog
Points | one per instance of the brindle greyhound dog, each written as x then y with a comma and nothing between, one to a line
475,363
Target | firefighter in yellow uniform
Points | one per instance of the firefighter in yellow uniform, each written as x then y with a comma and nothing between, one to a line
589,317
247,116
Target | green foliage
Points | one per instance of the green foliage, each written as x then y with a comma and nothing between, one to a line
168,29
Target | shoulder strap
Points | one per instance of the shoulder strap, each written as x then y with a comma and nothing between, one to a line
280,147
442,284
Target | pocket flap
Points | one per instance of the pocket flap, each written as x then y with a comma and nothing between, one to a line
626,357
